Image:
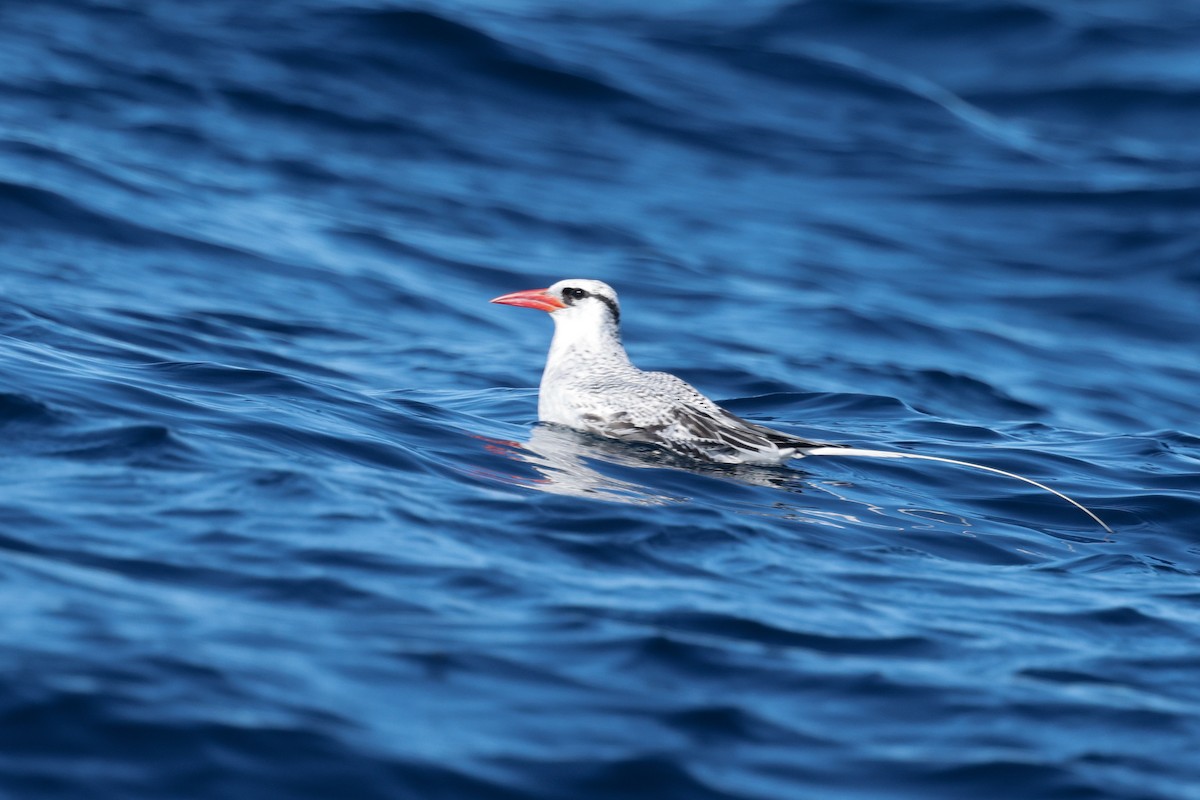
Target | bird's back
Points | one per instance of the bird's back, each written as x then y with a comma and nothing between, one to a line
662,409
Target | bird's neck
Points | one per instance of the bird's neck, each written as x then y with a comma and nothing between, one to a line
579,341
585,349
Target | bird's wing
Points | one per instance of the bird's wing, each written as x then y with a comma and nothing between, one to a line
720,436
781,439
688,431
662,409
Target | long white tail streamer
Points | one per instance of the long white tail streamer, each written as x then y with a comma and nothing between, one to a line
858,452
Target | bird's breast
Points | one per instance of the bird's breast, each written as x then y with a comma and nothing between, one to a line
555,405
577,396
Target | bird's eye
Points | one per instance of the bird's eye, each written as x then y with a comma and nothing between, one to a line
574,293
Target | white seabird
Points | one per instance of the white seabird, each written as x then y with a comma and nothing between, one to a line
589,384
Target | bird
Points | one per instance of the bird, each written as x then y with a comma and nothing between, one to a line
589,384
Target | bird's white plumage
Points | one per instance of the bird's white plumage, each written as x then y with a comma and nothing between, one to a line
590,385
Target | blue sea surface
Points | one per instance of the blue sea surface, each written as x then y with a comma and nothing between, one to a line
277,520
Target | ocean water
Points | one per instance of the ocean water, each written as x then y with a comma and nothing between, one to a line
276,518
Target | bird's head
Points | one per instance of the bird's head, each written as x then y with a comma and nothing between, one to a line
575,300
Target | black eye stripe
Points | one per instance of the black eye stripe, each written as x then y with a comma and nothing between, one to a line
572,293
612,306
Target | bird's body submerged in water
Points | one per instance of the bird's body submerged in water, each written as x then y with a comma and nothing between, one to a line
589,384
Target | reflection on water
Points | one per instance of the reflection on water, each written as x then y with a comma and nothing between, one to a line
568,462
572,463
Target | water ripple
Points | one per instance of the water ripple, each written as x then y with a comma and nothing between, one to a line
278,519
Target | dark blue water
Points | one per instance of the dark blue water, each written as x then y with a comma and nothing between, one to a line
276,521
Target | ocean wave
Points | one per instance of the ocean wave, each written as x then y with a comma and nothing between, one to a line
900,21
278,519
421,43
